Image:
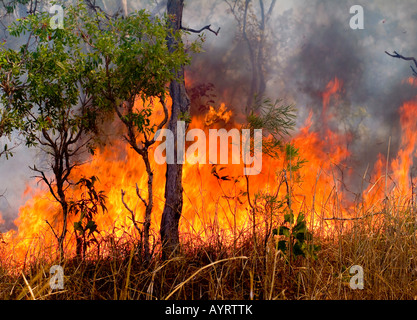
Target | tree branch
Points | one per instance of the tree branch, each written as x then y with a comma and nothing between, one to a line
53,231
135,223
202,29
140,197
48,183
399,56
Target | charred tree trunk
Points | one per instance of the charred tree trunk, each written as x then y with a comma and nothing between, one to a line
180,105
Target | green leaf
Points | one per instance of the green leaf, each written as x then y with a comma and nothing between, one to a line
300,217
289,217
282,245
298,250
283,231
78,226
59,64
300,227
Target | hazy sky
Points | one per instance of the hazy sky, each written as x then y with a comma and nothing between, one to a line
310,43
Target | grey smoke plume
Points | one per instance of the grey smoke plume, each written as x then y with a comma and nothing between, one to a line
311,43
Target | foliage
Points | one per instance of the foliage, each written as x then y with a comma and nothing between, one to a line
61,82
296,239
293,160
129,58
87,207
93,60
7,124
11,5
42,80
275,120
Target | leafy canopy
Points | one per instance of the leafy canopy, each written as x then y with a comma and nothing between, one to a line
63,78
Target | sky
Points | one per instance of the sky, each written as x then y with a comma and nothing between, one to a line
310,42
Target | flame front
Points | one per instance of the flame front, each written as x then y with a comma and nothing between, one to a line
316,189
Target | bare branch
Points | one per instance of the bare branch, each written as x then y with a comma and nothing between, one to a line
140,197
399,56
135,223
48,183
53,231
202,29
124,203
92,5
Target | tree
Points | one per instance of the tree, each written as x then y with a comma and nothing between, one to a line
73,76
180,110
180,105
138,64
142,148
45,87
253,32
9,119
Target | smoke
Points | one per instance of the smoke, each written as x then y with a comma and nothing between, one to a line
309,44
15,177
372,81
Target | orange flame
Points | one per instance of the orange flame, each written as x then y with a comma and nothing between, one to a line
316,189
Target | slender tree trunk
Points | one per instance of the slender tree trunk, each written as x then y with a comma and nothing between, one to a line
256,51
61,238
252,58
148,210
180,105
124,3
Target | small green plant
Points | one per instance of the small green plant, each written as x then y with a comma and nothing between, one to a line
294,237
87,206
293,160
185,116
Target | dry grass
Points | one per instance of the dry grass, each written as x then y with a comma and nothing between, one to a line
384,245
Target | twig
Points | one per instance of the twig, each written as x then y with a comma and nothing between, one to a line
353,219
140,197
135,223
53,231
208,27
